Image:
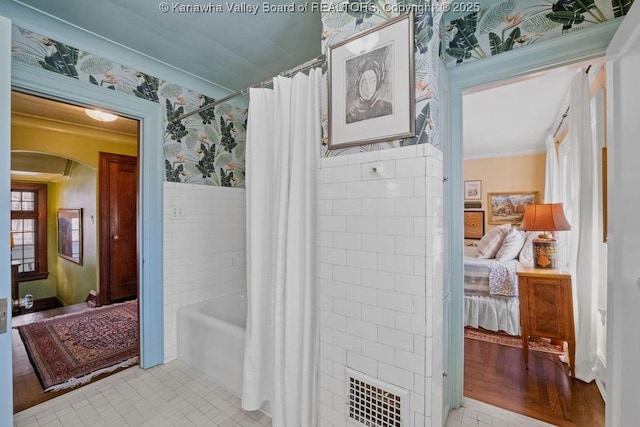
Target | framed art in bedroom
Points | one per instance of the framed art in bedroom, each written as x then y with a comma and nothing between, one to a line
508,208
473,224
473,190
371,85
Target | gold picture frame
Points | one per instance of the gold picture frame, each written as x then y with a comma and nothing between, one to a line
508,207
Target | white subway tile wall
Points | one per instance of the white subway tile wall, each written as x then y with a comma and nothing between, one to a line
204,248
381,265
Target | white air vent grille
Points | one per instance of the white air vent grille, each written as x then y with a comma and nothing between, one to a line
373,403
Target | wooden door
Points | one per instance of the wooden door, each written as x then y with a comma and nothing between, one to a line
118,191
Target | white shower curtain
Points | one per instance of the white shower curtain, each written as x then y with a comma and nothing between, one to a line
283,137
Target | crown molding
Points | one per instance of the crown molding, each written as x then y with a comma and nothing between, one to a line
49,125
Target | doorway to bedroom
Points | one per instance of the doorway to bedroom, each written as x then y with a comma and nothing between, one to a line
518,151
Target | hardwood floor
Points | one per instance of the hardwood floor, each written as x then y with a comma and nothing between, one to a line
27,390
495,374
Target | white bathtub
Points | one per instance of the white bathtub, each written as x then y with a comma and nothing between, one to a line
211,338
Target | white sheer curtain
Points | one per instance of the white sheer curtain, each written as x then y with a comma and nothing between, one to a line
280,364
551,183
577,186
553,191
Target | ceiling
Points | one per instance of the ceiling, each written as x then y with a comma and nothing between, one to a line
515,118
23,104
230,49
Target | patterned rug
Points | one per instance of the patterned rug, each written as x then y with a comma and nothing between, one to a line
71,349
536,344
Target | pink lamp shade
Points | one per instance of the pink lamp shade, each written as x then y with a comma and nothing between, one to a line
545,217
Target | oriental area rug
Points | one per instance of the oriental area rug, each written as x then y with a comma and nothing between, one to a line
71,349
536,344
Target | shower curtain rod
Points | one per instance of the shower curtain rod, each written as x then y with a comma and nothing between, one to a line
317,60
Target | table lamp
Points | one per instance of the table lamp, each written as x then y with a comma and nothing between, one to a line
548,218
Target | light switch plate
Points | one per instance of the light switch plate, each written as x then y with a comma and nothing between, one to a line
3,315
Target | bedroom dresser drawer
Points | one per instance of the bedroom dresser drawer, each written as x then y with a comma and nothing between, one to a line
546,308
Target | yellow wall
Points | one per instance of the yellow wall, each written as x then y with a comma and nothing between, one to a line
501,174
68,281
74,281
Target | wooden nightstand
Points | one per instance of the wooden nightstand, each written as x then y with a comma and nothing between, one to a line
546,308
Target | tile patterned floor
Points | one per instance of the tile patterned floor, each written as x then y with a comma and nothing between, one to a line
167,395
475,413
175,395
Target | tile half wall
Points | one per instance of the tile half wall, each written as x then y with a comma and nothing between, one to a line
381,254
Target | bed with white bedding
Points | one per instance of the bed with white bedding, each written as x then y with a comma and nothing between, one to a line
490,293
490,280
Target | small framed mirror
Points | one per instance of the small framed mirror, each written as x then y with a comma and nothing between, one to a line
70,234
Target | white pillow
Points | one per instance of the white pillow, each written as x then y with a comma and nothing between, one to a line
490,243
526,254
511,245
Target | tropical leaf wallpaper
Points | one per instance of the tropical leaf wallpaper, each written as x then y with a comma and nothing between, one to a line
494,27
206,149
209,148
340,21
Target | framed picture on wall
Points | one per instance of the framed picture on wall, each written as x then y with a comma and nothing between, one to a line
472,190
508,208
371,85
70,234
473,224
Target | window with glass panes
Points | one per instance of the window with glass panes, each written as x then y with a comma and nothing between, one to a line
28,229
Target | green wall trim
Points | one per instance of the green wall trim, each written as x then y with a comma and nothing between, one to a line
570,49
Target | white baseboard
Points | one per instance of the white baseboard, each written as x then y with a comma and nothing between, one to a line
601,375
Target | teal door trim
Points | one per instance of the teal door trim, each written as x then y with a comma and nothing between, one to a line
150,257
6,380
565,50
